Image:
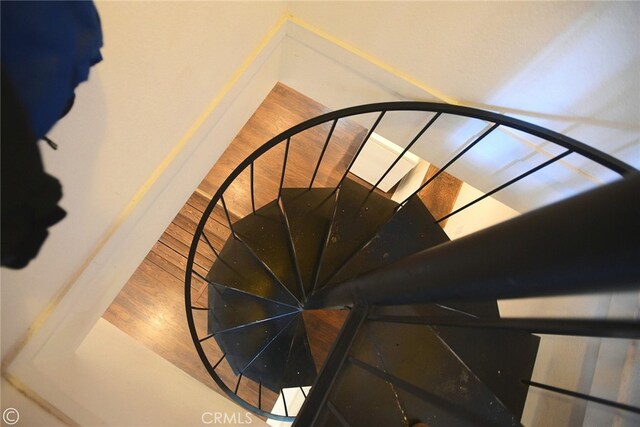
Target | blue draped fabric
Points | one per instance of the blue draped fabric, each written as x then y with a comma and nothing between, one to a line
47,50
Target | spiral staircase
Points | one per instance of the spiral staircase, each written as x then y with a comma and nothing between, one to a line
423,341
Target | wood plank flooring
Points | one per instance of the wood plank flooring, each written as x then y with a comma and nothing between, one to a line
150,307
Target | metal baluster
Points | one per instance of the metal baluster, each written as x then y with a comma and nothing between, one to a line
413,141
219,361
452,161
505,185
253,202
324,148
238,384
583,396
206,239
284,400
206,338
362,144
284,166
226,213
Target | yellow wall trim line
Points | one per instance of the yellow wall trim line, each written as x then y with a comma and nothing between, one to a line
38,400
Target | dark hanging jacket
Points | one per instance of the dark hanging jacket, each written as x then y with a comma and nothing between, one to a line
47,50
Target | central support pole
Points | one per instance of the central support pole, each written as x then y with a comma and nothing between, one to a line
589,243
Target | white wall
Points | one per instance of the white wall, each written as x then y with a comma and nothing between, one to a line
164,62
481,215
572,67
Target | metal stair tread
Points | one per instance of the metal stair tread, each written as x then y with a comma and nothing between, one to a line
265,232
237,268
269,365
410,230
300,368
363,400
402,350
308,214
358,216
230,308
499,358
243,345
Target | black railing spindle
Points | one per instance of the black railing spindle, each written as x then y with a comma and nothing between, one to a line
238,384
219,361
207,337
583,396
407,148
284,401
360,147
453,160
324,149
226,214
206,239
506,184
284,166
253,200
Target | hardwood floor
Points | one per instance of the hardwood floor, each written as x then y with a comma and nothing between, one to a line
150,307
440,196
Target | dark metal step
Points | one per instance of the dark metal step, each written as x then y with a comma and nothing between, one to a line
285,361
243,346
412,376
266,233
269,365
308,213
362,400
300,370
499,358
230,308
410,230
359,214
238,268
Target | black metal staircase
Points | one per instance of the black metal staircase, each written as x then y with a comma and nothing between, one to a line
424,341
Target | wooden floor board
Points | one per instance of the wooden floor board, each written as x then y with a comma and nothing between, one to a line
441,194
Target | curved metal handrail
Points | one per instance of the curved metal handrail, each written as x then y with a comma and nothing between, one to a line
572,146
